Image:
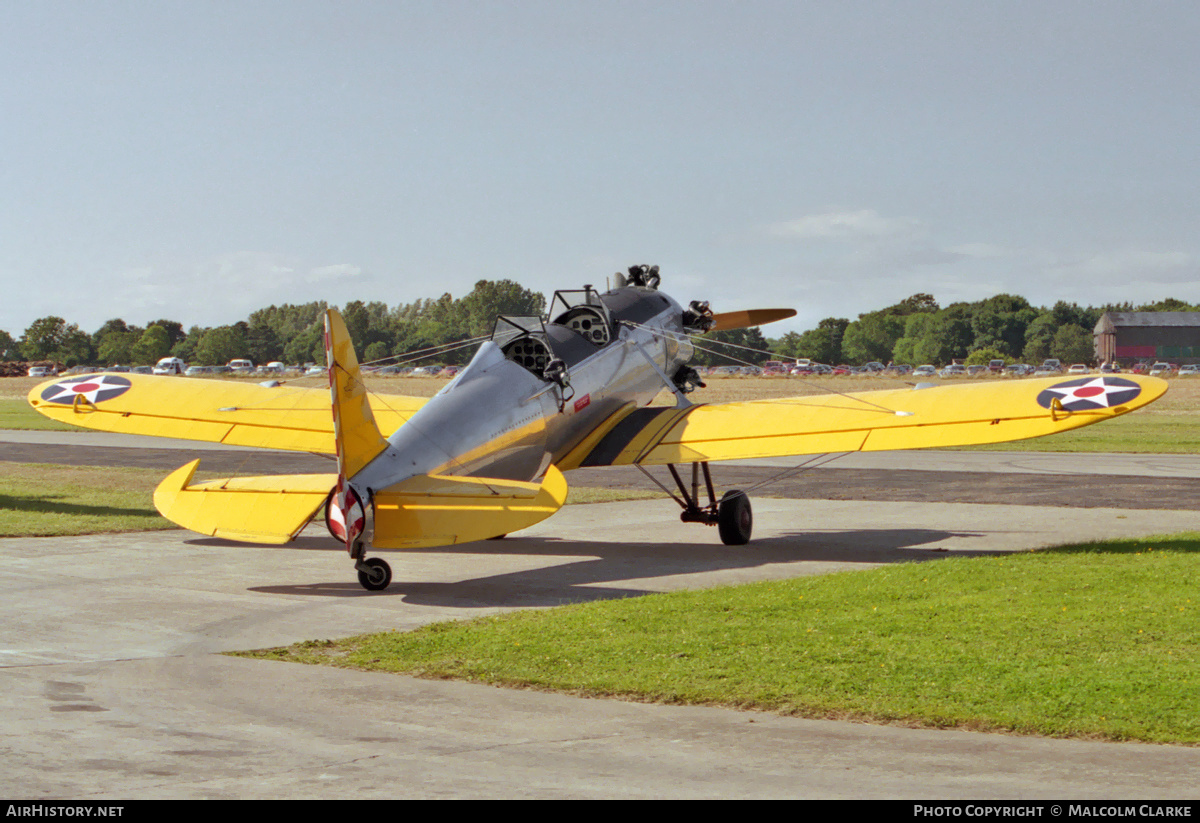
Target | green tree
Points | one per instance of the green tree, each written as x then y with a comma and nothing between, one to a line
1169,304
1039,337
175,332
492,298
9,350
1073,344
43,338
51,338
154,344
263,344
117,347
307,347
220,345
872,337
981,357
185,349
824,343
745,346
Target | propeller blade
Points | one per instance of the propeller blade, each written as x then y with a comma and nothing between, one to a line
749,317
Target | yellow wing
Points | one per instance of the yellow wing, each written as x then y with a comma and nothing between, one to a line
992,412
217,411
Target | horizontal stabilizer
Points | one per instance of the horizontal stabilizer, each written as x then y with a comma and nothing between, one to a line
270,509
437,510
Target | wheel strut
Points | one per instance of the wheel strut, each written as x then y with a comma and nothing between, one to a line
732,514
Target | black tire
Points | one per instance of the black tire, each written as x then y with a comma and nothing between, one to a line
735,521
377,577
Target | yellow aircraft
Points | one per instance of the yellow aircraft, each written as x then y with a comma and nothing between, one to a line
486,455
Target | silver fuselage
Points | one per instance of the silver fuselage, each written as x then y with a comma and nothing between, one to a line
499,419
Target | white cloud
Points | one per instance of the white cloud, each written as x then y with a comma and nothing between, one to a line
987,251
1130,266
336,272
217,291
845,225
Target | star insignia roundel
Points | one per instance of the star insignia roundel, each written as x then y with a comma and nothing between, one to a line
1090,393
94,388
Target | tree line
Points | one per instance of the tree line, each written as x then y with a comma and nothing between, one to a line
914,331
917,330
293,333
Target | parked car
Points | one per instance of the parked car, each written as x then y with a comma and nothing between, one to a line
925,371
41,371
1052,365
1079,368
1019,369
995,366
1110,368
953,370
1190,370
170,365
241,366
977,371
1160,369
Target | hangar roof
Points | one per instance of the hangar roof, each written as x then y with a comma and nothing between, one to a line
1109,321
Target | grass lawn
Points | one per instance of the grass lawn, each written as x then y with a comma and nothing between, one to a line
18,414
38,500
1096,640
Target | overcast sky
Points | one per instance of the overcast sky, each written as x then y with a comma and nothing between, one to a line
199,160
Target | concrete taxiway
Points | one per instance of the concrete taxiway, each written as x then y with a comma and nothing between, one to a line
111,685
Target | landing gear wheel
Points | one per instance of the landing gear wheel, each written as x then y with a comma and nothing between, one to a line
376,576
734,518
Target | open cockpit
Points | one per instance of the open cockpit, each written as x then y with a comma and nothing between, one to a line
581,325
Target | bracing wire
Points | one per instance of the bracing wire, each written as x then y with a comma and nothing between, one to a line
695,338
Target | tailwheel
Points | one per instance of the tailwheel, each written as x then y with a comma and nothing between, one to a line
375,574
734,518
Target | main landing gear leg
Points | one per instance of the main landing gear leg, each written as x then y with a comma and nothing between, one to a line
732,515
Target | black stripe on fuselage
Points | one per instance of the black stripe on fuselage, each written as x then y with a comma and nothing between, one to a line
654,422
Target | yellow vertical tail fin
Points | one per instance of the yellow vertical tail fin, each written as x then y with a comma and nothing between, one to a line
357,437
